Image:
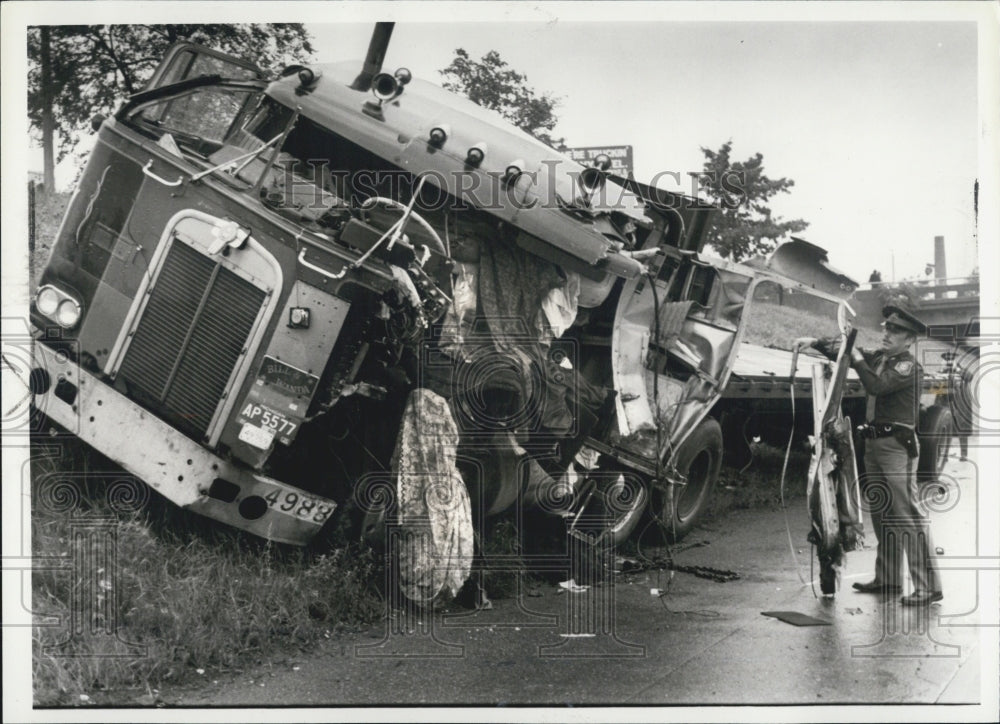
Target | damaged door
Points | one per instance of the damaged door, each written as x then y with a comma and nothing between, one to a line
674,342
832,491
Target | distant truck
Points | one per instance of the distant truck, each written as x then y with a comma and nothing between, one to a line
255,280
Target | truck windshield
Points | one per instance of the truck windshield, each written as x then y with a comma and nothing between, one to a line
232,132
199,121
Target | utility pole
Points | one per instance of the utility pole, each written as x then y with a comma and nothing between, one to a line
48,122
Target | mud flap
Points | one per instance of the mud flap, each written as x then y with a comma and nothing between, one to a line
433,527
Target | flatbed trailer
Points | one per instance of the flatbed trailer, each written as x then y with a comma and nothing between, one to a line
764,373
756,402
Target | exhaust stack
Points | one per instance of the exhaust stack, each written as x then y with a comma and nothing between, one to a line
373,59
940,267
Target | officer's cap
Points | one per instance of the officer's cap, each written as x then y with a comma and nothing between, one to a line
898,317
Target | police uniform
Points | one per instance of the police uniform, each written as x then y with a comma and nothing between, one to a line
893,385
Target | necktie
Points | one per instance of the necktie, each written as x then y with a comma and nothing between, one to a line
870,402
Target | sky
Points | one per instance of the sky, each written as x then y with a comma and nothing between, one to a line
874,120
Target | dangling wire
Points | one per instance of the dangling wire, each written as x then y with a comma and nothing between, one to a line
784,470
743,434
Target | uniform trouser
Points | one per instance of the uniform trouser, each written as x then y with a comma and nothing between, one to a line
899,522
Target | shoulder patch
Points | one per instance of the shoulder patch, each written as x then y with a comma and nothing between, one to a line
904,366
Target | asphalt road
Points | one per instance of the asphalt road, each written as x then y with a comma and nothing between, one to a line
704,642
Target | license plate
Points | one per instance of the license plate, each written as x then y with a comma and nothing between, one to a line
300,505
259,437
272,420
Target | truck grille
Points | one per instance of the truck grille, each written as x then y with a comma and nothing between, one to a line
190,337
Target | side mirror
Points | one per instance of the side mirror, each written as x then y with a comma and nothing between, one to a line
97,121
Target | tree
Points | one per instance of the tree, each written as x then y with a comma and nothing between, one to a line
745,225
493,84
76,71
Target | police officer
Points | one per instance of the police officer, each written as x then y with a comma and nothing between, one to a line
892,380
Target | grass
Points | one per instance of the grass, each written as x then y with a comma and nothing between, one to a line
777,326
198,598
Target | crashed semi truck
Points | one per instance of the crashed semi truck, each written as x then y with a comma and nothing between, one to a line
273,300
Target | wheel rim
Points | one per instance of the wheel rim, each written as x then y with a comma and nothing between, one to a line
624,504
690,494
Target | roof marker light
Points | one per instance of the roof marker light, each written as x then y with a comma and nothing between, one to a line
475,155
513,171
438,135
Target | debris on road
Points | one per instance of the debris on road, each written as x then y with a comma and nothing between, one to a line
795,618
572,586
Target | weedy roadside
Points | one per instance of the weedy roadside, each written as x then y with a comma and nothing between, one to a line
777,326
178,596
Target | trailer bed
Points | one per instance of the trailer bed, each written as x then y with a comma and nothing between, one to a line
763,373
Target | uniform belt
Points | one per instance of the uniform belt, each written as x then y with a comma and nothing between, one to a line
872,431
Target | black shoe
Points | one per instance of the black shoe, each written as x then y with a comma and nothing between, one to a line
922,598
876,587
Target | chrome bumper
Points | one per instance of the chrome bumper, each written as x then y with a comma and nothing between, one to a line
174,465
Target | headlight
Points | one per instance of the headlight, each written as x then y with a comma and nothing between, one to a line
58,306
47,301
68,313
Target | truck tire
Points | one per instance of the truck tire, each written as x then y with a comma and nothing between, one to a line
935,429
698,459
